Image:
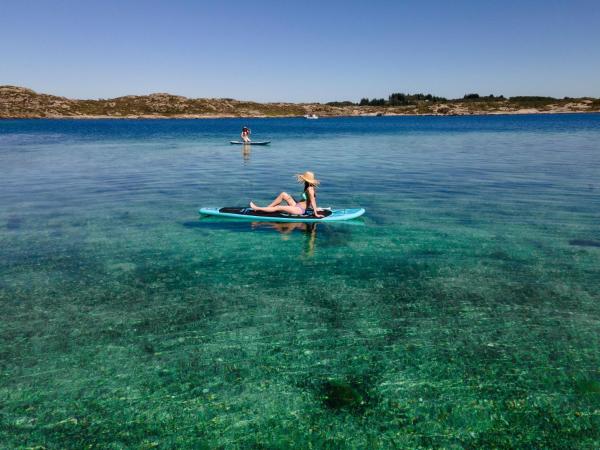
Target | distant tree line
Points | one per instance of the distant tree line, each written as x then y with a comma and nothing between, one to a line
481,98
401,99
344,103
373,102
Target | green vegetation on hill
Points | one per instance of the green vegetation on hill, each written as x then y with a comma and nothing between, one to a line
401,99
474,103
479,98
533,102
341,104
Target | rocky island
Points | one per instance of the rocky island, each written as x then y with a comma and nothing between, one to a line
19,102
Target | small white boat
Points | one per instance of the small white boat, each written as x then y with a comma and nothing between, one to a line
311,116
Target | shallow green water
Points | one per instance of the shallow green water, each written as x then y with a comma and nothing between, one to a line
463,311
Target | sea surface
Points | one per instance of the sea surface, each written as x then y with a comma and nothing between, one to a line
462,311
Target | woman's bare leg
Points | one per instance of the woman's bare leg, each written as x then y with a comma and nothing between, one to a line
283,196
287,209
277,200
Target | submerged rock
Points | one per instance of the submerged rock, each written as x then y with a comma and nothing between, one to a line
14,223
340,394
584,242
588,387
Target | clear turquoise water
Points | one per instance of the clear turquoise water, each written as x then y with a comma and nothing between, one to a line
462,312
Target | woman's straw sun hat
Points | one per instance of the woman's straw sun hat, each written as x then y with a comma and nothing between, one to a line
309,177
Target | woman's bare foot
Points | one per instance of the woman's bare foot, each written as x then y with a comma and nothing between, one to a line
253,206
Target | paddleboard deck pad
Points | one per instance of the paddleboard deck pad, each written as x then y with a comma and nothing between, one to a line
250,143
329,215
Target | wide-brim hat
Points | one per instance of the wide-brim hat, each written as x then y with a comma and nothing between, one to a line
309,177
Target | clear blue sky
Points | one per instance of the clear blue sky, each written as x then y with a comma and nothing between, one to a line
301,50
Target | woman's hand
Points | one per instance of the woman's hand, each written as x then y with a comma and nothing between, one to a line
317,215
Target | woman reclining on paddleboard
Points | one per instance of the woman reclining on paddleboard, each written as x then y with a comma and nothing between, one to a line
309,198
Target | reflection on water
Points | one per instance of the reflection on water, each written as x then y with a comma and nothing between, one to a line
246,151
334,234
308,229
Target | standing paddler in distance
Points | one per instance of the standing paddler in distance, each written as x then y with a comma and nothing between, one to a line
308,202
245,135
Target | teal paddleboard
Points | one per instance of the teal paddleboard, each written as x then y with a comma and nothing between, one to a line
250,143
330,215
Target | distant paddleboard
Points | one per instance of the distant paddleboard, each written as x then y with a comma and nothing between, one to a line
250,143
330,215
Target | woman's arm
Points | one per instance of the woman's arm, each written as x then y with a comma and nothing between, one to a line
313,201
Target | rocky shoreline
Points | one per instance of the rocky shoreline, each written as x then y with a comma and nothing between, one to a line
22,103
